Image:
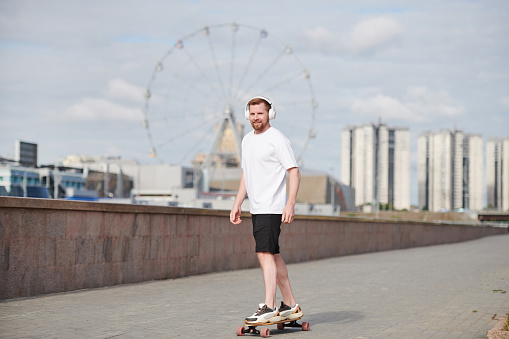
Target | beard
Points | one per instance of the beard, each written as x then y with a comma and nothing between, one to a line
258,126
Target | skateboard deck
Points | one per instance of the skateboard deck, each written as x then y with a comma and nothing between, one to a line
265,332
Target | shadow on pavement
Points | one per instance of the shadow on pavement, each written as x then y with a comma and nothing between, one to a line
340,317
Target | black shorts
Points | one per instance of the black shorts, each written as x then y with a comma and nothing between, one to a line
266,231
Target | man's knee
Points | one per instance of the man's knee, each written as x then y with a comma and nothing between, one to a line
266,259
264,255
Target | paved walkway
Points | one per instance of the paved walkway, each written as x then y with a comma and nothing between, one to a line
447,291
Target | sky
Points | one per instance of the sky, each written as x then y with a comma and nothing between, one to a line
74,74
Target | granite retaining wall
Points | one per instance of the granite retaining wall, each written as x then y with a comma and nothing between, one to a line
49,246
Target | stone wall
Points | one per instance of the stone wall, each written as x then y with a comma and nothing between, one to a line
49,246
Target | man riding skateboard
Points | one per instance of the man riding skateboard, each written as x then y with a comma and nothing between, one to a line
267,156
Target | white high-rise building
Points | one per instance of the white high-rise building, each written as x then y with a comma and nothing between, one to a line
450,170
497,173
473,171
401,174
376,162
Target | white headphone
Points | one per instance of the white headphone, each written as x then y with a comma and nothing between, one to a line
272,111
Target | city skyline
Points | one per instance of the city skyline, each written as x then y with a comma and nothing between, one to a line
451,167
74,75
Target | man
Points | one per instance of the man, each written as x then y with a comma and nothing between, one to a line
266,157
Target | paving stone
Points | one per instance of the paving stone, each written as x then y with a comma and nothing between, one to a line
445,291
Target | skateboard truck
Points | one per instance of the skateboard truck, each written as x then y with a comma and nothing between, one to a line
265,332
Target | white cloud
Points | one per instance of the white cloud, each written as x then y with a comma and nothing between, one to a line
121,89
123,102
101,109
505,102
367,36
426,102
419,104
321,35
384,107
370,34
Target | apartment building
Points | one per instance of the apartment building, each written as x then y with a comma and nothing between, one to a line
376,163
497,173
450,171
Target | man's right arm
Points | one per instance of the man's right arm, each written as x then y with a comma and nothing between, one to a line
237,205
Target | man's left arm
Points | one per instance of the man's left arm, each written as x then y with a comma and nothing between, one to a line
289,211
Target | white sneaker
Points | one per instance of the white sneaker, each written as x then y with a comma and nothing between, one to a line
263,315
290,313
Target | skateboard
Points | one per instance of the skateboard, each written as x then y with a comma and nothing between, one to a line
265,332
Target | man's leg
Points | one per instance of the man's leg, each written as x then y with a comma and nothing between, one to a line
269,270
283,281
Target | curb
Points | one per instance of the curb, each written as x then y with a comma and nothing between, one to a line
498,331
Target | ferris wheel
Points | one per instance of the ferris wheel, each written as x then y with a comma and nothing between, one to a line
196,95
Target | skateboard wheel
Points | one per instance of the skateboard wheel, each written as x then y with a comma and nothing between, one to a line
305,326
240,331
264,333
281,326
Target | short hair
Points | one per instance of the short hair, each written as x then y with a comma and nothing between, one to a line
257,101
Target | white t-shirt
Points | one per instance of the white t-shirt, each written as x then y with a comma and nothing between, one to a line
265,159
